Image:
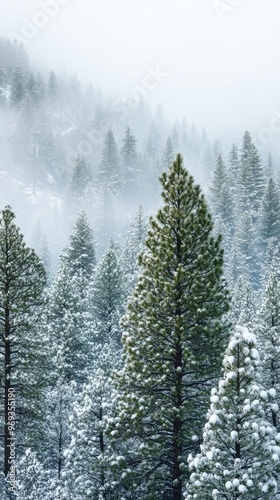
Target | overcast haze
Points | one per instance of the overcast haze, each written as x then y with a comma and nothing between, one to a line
222,58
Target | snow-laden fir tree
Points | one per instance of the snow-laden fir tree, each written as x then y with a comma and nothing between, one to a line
70,329
240,454
134,245
220,194
109,168
87,472
270,213
22,349
234,166
130,167
173,340
267,327
219,179
69,324
79,256
33,480
106,296
243,303
80,178
168,155
247,239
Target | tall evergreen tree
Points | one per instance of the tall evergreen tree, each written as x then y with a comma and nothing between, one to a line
80,178
168,154
18,87
79,256
129,159
106,296
132,249
234,167
173,340
109,167
221,197
270,212
128,150
22,280
240,453
87,468
52,89
267,328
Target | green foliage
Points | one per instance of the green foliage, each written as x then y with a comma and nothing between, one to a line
173,339
79,256
22,281
106,296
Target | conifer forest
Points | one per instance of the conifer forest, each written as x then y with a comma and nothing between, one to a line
139,268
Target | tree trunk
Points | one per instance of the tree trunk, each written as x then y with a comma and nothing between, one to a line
7,382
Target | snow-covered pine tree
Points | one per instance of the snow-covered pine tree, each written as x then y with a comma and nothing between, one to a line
18,87
174,338
221,198
22,281
234,166
243,303
71,333
79,256
270,213
87,472
267,328
32,479
168,155
247,245
132,249
106,296
109,168
240,453
81,176
130,167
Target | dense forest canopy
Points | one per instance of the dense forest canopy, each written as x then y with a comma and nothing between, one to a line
139,346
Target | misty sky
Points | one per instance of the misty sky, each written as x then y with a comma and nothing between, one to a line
221,56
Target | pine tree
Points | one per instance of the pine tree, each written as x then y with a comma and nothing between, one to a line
52,90
80,178
243,303
239,455
173,340
70,326
220,194
267,328
129,160
79,256
87,471
128,150
234,167
109,167
132,249
106,296
18,87
218,181
251,183
258,183
168,155
71,332
153,142
247,244
270,213
22,281
32,478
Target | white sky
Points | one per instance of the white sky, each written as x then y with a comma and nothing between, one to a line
223,70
